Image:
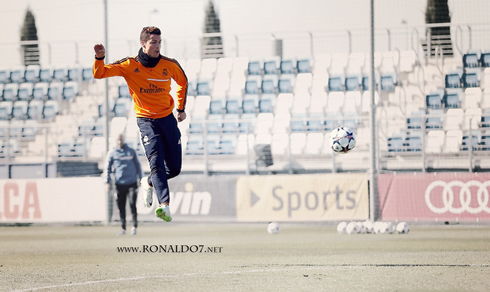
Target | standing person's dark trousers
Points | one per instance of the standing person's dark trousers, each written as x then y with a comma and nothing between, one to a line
124,192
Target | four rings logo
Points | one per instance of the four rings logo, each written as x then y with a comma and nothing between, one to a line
448,196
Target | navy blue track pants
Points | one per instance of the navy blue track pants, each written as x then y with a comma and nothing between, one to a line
161,140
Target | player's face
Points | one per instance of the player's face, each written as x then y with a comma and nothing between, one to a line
152,46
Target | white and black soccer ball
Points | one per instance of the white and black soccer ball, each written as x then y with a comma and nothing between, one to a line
342,140
368,226
402,228
341,228
360,227
390,228
380,227
274,228
351,228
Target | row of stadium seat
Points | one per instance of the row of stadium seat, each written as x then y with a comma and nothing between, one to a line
457,98
36,73
40,91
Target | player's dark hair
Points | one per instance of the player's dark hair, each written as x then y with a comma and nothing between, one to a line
147,30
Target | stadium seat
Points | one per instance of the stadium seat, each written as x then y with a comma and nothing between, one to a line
245,143
388,81
264,123
315,122
212,144
46,74
284,102
356,63
196,125
472,59
434,99
253,84
319,83
471,78
413,143
303,83
281,123
298,122
230,123
4,76
59,74
6,110
353,82
435,119
40,91
201,106
220,87
475,140
17,74
472,118
65,148
215,107
408,60
415,120
338,63
318,102
485,119
287,66
472,97
10,92
454,119
453,141
396,142
55,90
335,102
227,145
224,66
25,91
351,120
15,130
51,109
485,59
208,69
336,83
280,144
29,130
203,88
435,141
266,106
254,67
4,124
31,74
248,105
73,74
19,110
333,120
286,84
314,143
453,98
35,110
454,79
269,84
321,63
271,66
240,67
247,123
70,90
303,66
298,143
232,107
214,124
352,102
87,74
191,68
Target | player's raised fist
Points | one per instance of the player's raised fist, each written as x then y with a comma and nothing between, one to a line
99,50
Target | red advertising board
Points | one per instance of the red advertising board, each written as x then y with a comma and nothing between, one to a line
434,197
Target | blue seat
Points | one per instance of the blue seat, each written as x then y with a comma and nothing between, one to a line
270,67
353,83
254,68
265,106
413,143
232,107
335,83
395,144
303,66
471,79
485,59
388,82
471,60
287,67
215,107
123,91
203,88
433,101
453,98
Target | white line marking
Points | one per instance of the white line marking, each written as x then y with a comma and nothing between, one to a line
289,268
157,79
166,276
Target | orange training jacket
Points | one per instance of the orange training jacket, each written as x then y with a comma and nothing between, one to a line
149,87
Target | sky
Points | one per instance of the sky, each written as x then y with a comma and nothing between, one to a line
72,27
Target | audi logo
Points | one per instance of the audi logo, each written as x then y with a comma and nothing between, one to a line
482,196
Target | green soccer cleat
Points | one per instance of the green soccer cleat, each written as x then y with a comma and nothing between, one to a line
163,212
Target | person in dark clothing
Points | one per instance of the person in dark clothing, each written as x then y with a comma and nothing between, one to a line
124,163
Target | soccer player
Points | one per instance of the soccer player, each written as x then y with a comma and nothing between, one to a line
124,163
148,76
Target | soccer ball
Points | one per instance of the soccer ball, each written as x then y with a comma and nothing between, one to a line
351,228
368,226
342,140
273,228
402,228
360,227
390,228
341,227
380,227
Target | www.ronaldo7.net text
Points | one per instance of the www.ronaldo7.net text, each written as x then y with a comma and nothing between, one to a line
182,248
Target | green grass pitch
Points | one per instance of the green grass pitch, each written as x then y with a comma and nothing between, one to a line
243,257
